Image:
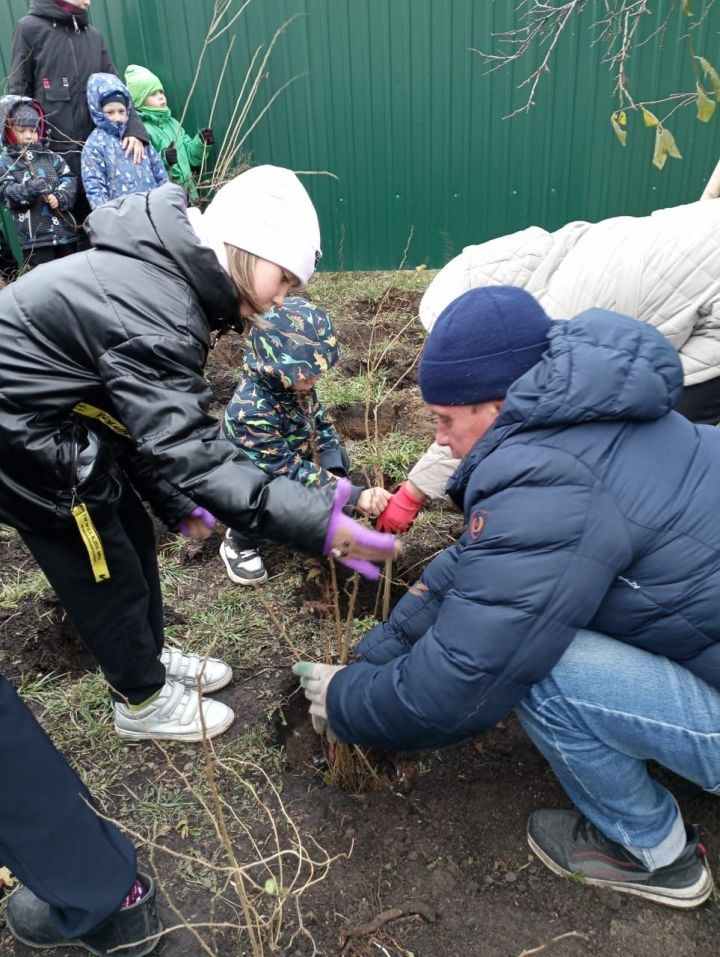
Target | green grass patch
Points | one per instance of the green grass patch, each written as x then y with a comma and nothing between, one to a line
396,454
24,584
335,290
336,388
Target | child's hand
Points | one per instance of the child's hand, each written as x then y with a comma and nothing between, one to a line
38,186
52,200
171,156
207,136
373,501
351,543
198,524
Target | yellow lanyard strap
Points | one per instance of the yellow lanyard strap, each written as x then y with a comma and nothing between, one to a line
91,541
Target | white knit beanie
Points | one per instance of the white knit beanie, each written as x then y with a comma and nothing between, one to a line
265,211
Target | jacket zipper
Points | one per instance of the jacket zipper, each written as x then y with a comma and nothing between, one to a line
77,28
75,457
72,48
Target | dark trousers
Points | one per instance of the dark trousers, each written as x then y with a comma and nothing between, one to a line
47,254
120,620
701,403
50,839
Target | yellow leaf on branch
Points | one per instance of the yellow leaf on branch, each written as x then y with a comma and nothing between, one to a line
619,131
665,146
705,106
711,73
649,119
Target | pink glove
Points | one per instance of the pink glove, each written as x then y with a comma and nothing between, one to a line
343,532
400,511
208,520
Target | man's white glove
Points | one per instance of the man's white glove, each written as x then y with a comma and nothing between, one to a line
315,679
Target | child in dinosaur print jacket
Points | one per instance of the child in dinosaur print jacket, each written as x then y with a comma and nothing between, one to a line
277,421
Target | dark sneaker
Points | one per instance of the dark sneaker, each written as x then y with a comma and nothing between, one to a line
133,931
244,568
569,844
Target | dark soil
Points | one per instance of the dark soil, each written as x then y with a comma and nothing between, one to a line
441,839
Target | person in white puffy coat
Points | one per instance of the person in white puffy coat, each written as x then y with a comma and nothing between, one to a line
663,269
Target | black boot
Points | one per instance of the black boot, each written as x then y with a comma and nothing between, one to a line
28,919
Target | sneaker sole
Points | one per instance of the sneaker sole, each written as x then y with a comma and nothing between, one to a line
236,578
65,943
685,897
80,945
191,737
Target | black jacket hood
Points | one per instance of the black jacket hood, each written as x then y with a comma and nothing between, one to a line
51,11
154,227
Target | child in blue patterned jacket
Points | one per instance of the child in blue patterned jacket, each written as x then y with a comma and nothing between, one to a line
106,172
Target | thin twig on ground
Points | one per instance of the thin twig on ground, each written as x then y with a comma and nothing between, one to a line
570,935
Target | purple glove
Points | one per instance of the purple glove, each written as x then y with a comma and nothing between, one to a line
355,532
208,520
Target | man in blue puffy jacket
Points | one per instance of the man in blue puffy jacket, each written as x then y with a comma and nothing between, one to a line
584,594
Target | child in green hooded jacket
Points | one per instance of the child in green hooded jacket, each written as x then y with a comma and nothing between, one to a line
180,152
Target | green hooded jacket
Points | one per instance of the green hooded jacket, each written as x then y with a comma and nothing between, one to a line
164,130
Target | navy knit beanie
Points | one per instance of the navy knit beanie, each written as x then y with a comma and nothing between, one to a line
481,343
115,97
25,116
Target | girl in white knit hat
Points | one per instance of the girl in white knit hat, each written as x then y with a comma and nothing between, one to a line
264,230
102,392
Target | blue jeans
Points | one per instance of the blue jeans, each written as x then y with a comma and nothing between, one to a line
601,714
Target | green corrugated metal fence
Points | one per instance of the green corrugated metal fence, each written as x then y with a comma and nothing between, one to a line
391,100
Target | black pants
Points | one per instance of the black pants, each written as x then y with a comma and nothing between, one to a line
120,620
47,254
701,403
49,838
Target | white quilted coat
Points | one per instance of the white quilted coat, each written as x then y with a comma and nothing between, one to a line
663,269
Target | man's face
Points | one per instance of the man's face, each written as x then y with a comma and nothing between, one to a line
115,112
460,426
81,4
24,135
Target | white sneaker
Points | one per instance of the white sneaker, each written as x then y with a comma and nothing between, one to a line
212,673
175,715
243,568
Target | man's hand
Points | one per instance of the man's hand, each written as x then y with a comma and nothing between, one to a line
198,524
351,543
315,679
373,501
135,148
52,201
401,510
171,156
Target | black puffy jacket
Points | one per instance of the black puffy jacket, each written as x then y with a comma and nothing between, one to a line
53,54
124,330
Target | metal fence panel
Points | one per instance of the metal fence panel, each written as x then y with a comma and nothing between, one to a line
389,98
